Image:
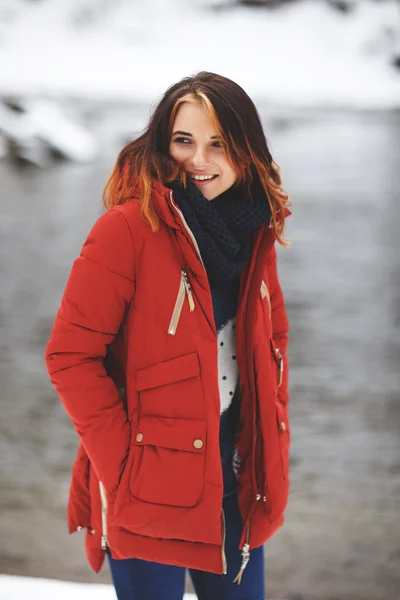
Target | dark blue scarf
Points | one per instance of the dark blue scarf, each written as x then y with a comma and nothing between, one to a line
222,227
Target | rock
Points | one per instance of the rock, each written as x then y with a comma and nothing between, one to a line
3,147
32,126
396,50
344,6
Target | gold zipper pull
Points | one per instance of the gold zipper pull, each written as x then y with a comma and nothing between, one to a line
263,290
104,508
184,289
188,290
265,294
281,366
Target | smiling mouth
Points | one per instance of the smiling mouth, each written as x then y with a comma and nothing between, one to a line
203,177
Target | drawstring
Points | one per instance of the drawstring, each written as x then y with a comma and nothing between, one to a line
245,555
245,560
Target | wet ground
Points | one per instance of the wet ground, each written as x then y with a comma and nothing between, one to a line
341,279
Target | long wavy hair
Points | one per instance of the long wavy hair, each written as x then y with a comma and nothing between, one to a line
235,119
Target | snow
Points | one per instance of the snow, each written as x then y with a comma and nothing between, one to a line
302,54
43,124
19,588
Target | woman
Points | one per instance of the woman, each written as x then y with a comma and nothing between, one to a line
169,354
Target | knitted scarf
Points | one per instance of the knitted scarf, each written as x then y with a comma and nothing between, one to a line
222,227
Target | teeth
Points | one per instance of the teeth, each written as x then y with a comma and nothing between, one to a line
202,177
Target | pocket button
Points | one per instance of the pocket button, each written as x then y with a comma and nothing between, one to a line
282,426
139,437
198,444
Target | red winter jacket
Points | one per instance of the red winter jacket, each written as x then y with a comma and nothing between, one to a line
133,356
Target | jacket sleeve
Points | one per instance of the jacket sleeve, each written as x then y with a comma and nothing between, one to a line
98,291
280,323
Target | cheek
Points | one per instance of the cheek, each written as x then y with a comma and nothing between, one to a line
172,152
178,154
229,173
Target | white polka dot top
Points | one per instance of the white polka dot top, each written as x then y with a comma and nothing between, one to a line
228,372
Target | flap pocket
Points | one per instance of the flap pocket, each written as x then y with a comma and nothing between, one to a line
175,434
169,461
169,371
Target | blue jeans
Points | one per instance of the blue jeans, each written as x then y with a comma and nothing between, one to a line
136,579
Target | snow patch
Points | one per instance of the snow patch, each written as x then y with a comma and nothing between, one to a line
20,588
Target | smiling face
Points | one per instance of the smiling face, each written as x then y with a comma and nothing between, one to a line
196,145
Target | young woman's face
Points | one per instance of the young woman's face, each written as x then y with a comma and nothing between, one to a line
196,145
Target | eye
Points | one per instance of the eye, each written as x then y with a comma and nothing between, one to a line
218,144
182,140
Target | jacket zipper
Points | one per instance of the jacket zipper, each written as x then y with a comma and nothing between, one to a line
265,294
224,563
246,545
104,508
184,288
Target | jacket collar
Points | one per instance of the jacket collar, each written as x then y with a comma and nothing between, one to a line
162,200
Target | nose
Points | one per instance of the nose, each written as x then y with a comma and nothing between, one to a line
199,157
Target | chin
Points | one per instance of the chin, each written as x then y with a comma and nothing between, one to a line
211,194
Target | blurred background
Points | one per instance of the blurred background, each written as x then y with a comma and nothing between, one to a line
78,79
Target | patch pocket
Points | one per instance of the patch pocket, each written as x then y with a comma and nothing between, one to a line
169,460
172,388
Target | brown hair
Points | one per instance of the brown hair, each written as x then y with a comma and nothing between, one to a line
235,119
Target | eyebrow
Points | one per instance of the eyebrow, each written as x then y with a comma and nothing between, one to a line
213,137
